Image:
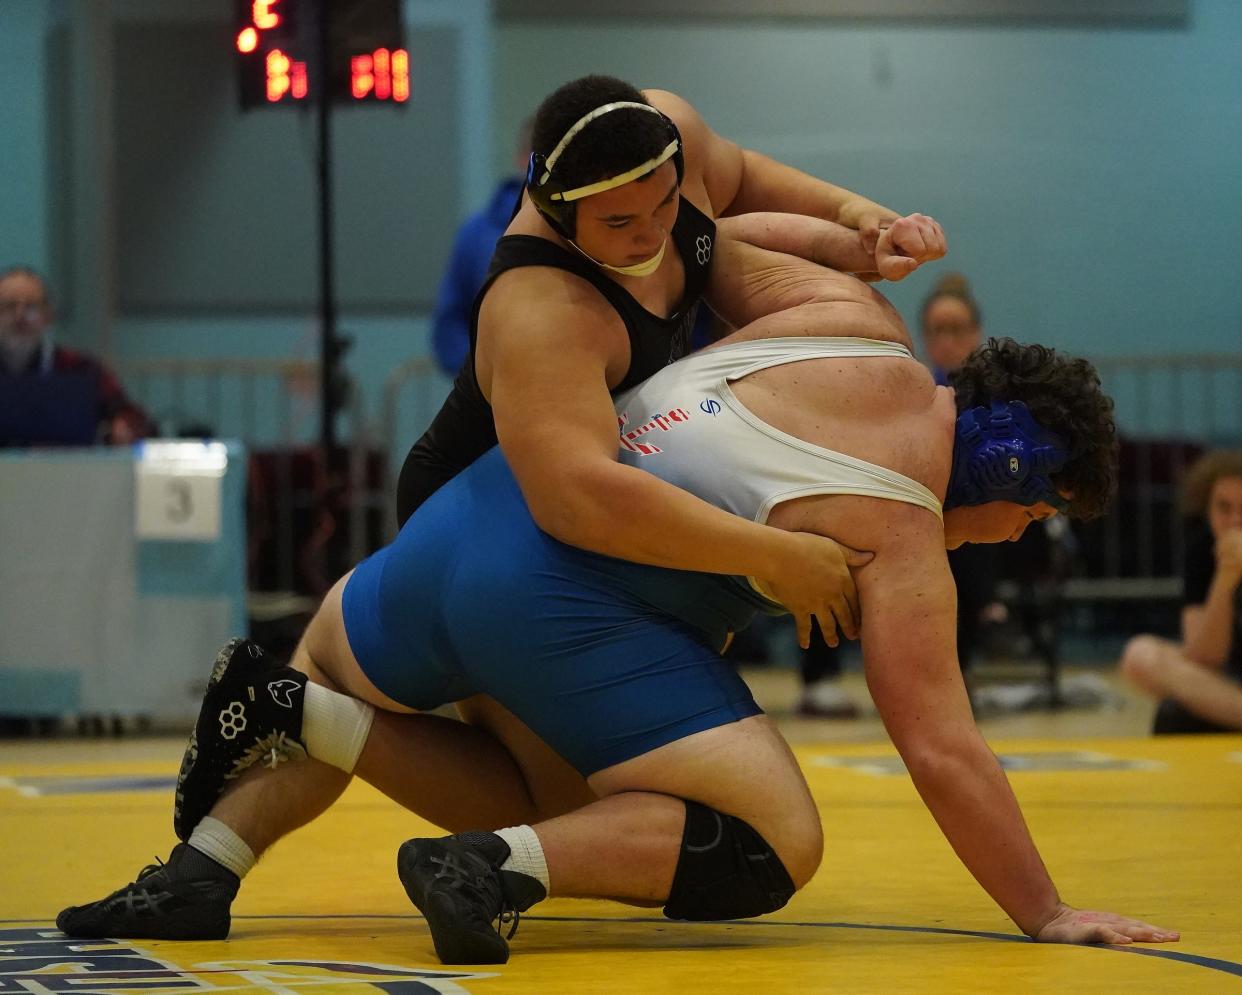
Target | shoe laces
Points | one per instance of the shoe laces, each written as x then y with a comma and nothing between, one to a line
270,751
136,887
456,876
508,914
147,871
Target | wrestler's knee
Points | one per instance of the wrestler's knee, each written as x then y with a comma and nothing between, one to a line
727,869
805,852
798,837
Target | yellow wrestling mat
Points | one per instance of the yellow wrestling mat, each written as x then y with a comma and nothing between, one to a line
1138,826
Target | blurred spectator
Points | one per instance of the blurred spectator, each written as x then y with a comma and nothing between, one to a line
1197,680
952,325
467,269
50,394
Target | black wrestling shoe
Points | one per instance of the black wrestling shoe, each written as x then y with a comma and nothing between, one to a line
187,898
457,884
251,713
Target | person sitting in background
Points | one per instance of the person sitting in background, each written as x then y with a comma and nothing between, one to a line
472,254
1197,679
37,373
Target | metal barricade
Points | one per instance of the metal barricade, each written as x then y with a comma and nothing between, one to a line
413,393
272,405
1169,410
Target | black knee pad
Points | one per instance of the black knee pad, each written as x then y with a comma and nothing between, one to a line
726,870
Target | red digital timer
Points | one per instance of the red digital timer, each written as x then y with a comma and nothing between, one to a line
367,60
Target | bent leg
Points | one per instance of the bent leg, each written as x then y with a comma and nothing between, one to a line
1159,668
716,825
627,845
1142,660
420,761
553,785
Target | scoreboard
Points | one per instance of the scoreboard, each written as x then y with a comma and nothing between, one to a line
278,49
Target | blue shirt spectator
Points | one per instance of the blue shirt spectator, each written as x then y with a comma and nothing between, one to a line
472,251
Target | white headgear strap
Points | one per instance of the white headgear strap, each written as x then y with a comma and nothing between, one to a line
613,181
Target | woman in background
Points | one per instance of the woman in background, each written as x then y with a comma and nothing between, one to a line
1197,680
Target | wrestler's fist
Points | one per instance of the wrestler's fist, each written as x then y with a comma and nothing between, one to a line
908,243
1081,926
869,221
816,582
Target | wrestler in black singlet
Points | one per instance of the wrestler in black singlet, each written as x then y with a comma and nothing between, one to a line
464,430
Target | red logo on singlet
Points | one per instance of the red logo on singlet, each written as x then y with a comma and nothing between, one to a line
662,423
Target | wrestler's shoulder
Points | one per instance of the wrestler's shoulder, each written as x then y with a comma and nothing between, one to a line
690,123
543,305
712,164
537,289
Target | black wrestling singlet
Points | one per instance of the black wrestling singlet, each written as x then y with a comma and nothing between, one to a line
463,429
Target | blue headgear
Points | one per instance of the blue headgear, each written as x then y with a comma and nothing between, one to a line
557,204
1003,454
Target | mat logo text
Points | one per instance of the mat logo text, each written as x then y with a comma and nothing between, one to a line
44,961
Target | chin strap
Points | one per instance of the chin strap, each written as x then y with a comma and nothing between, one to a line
645,268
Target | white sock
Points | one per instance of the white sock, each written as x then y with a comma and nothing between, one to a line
335,726
525,854
213,838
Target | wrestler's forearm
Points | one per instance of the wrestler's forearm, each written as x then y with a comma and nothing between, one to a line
621,511
768,185
1210,639
968,795
825,243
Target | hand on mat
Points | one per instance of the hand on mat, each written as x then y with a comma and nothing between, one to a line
817,582
908,243
1082,926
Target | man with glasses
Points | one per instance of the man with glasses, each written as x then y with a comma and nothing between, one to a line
55,395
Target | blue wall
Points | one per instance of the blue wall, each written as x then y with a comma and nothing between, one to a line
24,25
1087,178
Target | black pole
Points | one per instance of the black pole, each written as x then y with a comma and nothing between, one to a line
329,347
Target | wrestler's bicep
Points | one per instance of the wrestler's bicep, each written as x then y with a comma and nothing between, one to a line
909,639
711,160
550,401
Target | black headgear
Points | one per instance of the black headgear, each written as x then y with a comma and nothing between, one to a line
558,205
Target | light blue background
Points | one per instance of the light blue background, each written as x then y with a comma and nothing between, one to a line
1088,178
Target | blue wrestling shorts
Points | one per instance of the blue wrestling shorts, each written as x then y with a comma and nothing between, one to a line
605,660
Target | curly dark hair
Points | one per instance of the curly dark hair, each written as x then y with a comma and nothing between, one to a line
1063,395
611,144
